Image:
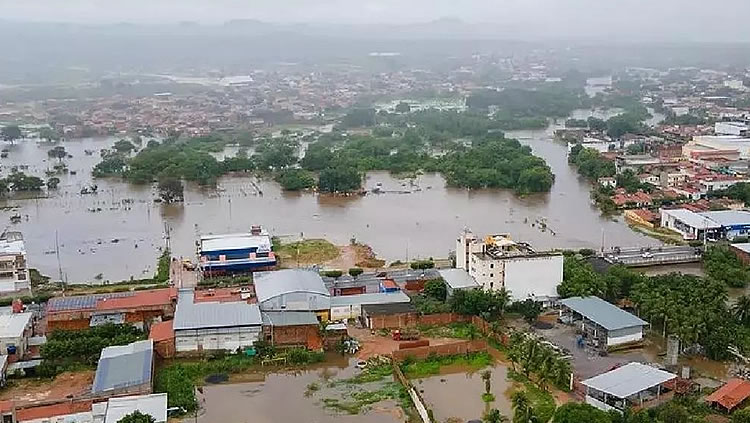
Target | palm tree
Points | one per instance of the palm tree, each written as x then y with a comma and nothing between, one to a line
741,309
494,416
523,412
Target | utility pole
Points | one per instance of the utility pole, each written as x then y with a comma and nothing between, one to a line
59,264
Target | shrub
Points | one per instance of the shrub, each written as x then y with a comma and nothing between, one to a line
355,271
333,273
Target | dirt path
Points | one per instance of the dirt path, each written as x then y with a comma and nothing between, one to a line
64,385
346,260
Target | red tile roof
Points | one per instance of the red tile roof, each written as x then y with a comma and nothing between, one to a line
47,411
6,406
731,394
162,331
155,297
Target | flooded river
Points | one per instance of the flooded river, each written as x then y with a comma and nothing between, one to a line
116,233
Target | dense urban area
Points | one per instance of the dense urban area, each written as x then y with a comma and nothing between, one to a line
417,230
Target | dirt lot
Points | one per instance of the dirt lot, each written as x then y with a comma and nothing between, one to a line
65,384
372,345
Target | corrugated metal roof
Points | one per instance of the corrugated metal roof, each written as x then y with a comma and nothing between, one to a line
745,247
272,284
728,217
190,315
458,278
374,298
289,318
731,394
13,325
235,242
692,219
124,366
628,380
81,302
154,405
604,314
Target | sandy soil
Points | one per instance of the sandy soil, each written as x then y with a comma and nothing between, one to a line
373,345
65,384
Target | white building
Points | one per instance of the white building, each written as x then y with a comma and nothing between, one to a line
456,280
208,326
14,272
498,262
689,224
293,290
608,324
633,384
346,307
15,330
738,129
718,143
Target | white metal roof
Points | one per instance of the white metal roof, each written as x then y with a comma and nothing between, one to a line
728,217
190,315
604,314
373,298
279,282
13,325
628,380
289,318
154,405
745,246
692,219
458,278
235,242
14,247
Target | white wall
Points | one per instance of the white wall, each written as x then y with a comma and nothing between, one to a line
599,404
346,312
528,277
216,339
297,301
625,335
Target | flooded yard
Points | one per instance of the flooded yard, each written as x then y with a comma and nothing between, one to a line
319,395
456,395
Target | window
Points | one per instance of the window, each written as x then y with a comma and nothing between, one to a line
492,275
492,284
492,265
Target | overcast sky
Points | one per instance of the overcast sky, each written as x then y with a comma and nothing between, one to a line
704,20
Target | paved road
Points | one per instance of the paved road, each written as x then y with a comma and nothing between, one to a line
180,277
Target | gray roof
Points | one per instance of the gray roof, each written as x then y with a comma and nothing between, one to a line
374,298
78,302
745,247
289,318
190,315
124,366
13,325
458,278
154,405
604,314
728,217
691,218
274,283
628,380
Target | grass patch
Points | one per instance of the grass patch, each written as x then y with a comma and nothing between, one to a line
309,251
460,330
311,389
430,366
372,373
358,401
542,401
488,397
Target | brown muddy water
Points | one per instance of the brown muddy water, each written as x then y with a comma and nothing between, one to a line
116,233
285,397
456,395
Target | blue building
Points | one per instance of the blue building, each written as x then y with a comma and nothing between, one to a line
236,253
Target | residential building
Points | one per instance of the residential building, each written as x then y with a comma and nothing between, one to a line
15,331
292,290
456,280
14,271
632,385
350,306
635,163
125,370
87,411
138,308
733,394
642,217
739,129
236,253
607,181
213,326
498,262
606,324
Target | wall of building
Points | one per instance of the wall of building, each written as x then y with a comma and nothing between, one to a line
300,301
165,348
489,273
228,339
390,321
346,312
533,277
598,404
624,336
302,335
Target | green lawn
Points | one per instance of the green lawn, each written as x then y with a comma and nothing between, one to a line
309,251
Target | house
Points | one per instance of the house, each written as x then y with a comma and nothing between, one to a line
292,290
387,316
125,370
87,411
162,334
457,279
731,395
638,199
608,325
633,384
139,308
14,271
214,326
292,328
742,251
498,262
642,217
15,331
607,181
350,306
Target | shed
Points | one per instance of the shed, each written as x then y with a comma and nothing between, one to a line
608,324
386,316
125,369
350,306
631,384
292,290
15,330
155,405
457,279
732,394
298,328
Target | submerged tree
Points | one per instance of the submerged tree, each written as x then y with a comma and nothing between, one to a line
171,190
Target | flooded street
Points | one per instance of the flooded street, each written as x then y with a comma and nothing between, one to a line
287,397
116,233
456,395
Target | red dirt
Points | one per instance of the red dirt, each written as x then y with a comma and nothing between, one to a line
31,390
373,345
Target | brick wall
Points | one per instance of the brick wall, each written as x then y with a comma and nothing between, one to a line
455,348
403,320
165,348
390,321
306,335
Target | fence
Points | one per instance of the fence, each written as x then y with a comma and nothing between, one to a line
416,399
455,348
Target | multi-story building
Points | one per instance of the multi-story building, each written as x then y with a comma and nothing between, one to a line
234,253
14,271
498,262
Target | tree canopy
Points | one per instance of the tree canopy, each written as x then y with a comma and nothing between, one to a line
137,417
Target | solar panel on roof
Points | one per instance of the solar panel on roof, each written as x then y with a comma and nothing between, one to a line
81,301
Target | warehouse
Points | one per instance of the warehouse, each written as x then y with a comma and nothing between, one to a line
388,316
292,329
292,290
633,384
15,330
125,369
350,306
209,326
607,325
